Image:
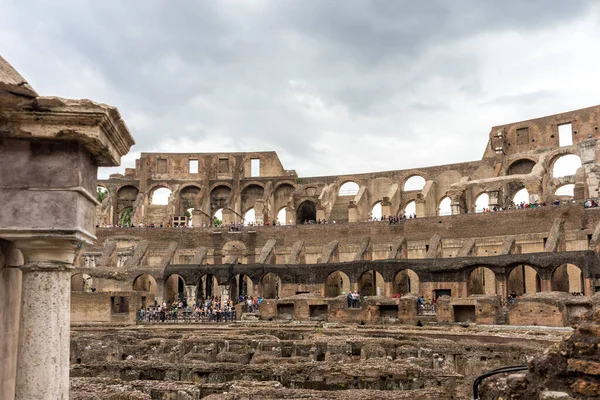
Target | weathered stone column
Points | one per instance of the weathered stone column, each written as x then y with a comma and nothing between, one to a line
50,151
494,198
45,319
190,294
10,312
224,292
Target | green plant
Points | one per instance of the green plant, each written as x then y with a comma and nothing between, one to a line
125,218
101,194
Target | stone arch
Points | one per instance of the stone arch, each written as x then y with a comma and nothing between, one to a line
208,286
379,188
565,165
566,190
377,211
410,208
521,195
270,286
337,283
281,197
406,281
250,193
522,166
523,279
482,202
444,206
481,280
306,211
145,283
413,182
240,285
187,197
159,195
174,288
371,283
126,196
567,278
250,216
348,188
81,283
219,195
281,217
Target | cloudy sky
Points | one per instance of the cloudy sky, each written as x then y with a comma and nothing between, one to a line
333,86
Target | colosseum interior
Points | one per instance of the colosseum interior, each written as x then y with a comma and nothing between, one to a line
455,269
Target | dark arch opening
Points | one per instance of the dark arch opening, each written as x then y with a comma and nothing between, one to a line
521,167
307,211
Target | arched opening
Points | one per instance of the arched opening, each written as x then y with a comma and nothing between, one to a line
306,212
240,287
445,207
523,279
125,198
270,285
567,278
218,217
349,189
125,217
218,199
174,288
521,197
410,209
187,198
482,203
337,284
282,198
160,196
145,283
207,287
566,166
188,214
376,211
82,283
521,167
566,190
405,282
101,193
481,280
250,217
371,284
250,194
281,217
415,182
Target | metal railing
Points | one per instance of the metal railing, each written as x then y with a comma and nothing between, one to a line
502,370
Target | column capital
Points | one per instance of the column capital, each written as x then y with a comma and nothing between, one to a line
48,251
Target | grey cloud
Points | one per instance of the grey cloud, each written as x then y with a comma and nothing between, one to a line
384,67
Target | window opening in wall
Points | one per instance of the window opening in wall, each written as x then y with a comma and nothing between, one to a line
566,165
348,189
377,212
565,135
193,166
255,167
223,165
566,190
282,217
415,182
161,196
161,166
482,203
410,209
445,206
250,217
523,135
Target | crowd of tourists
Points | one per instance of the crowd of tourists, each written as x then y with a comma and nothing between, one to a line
391,219
353,300
212,309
